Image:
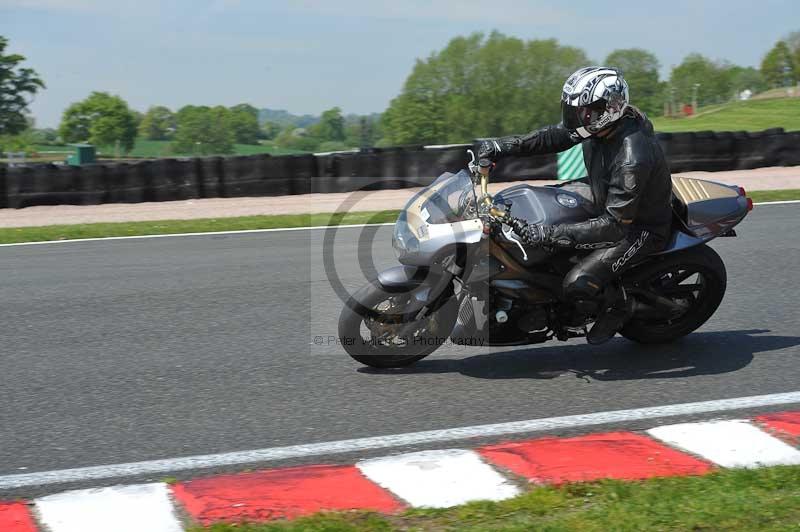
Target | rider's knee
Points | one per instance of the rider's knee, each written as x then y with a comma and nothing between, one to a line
580,284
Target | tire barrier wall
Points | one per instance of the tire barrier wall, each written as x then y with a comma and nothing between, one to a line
3,191
373,169
716,151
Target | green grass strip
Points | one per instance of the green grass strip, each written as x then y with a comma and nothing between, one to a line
762,196
752,500
204,225
211,225
750,115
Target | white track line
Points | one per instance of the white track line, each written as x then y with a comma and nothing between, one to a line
438,479
119,508
782,202
168,465
732,443
246,231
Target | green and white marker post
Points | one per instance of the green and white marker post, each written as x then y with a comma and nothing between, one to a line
570,164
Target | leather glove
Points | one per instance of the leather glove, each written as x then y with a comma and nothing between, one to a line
531,234
488,152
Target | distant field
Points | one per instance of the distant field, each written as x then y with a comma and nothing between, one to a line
161,148
752,115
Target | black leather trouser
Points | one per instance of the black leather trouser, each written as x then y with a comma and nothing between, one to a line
595,271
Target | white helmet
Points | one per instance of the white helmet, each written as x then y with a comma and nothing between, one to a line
593,98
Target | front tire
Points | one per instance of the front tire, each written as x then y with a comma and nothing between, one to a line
371,314
696,278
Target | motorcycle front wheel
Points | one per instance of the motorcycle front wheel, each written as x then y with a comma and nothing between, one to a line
379,329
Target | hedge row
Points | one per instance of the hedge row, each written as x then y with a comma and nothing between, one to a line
263,175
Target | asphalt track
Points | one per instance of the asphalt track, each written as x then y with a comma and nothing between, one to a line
143,349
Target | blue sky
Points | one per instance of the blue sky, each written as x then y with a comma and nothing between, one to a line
309,55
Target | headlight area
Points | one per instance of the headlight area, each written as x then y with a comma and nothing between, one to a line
404,242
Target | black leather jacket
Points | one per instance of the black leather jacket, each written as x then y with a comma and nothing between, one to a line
631,183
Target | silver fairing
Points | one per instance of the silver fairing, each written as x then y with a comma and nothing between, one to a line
417,242
434,238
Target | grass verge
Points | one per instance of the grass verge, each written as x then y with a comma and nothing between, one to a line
762,196
760,499
750,115
17,235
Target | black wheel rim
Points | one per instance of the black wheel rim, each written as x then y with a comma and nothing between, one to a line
387,317
687,286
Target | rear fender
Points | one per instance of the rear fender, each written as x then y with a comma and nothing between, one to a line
680,240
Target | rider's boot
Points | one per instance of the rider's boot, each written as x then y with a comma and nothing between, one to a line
615,312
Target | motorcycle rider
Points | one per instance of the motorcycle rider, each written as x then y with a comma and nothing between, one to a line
629,184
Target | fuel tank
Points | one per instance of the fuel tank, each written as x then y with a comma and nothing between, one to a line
546,205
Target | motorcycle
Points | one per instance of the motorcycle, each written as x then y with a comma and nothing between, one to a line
467,278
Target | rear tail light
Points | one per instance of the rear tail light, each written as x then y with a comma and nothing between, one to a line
743,194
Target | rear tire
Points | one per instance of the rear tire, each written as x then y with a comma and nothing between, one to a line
361,309
711,280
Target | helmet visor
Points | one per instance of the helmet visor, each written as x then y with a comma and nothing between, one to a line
574,117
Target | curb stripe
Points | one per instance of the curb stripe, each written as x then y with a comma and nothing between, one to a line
132,508
386,442
734,443
281,494
784,425
439,479
620,455
15,517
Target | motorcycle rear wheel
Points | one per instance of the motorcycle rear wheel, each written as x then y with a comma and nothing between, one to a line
366,314
695,277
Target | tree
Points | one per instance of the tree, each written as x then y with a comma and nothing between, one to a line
746,78
137,119
640,69
102,119
480,86
327,134
297,138
362,131
697,75
244,123
20,143
270,130
45,136
17,85
793,42
778,66
330,127
158,123
203,130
